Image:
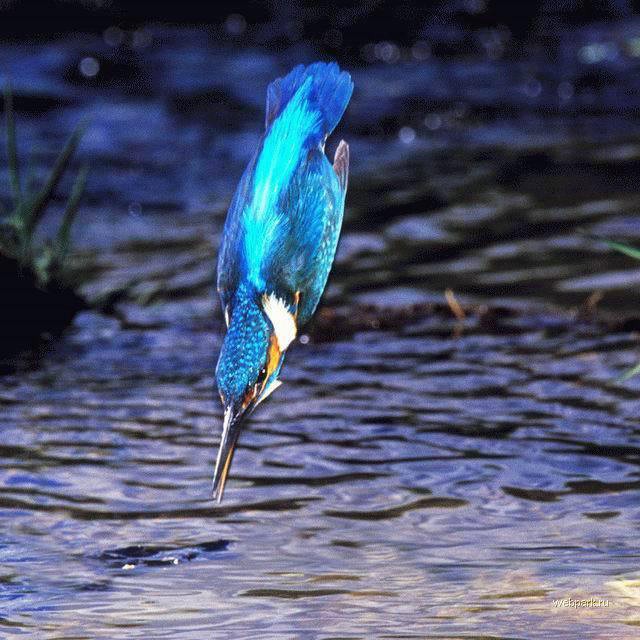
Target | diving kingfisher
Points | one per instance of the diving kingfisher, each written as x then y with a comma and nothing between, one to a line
279,241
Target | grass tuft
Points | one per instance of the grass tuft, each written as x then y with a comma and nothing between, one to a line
18,228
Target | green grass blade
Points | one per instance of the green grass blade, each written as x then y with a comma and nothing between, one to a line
12,147
628,250
630,373
33,213
61,246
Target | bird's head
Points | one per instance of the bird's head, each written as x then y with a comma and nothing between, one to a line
260,329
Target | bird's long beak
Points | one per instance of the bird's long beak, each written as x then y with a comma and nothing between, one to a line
230,432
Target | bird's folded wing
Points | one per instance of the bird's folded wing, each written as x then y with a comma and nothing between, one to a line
230,259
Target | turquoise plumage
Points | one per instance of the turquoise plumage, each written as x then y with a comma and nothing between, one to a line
279,240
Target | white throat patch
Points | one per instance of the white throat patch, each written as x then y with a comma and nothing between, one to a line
283,321
269,390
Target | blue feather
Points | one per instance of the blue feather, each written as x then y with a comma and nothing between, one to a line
279,238
281,152
331,92
244,346
302,109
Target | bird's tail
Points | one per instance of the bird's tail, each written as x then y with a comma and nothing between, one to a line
323,88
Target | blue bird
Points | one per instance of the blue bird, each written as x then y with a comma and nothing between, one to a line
279,241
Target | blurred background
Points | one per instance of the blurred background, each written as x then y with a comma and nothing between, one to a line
430,466
483,135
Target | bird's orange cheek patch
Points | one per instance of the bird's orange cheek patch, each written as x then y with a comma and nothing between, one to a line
273,359
273,356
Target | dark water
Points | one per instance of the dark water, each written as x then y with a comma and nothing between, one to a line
421,477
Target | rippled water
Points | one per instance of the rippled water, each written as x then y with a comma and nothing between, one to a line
401,484
417,475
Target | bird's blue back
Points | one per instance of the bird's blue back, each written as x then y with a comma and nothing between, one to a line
284,221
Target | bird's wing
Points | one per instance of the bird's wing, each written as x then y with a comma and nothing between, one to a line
230,255
321,261
277,220
301,259
304,205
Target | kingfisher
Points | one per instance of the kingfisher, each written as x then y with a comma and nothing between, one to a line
279,241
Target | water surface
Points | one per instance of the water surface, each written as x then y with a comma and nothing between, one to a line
416,476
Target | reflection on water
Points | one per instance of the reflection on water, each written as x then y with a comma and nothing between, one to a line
417,476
